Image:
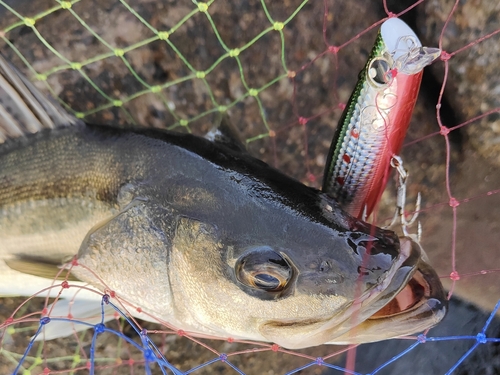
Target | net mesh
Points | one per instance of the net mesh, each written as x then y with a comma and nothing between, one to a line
284,70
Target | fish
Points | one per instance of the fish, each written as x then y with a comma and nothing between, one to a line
375,120
192,231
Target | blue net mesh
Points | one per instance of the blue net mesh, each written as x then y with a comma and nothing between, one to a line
153,351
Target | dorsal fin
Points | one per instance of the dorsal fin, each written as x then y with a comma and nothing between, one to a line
225,133
23,108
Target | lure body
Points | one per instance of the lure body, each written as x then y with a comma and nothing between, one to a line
376,118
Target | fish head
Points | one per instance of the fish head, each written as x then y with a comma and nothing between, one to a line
291,269
312,282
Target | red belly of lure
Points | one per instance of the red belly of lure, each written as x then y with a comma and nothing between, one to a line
396,128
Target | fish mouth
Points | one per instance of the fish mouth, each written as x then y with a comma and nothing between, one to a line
417,293
423,292
414,301
410,299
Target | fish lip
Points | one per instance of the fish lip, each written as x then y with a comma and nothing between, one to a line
378,320
369,311
427,298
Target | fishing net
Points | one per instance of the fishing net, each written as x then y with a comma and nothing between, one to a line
284,71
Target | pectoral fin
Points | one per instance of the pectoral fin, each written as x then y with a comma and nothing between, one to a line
46,268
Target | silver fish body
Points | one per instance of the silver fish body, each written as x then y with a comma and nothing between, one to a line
201,235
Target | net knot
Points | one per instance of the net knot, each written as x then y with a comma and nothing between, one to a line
445,56
278,26
119,52
105,298
234,52
202,7
149,355
99,328
30,22
443,130
454,202
481,338
163,35
333,49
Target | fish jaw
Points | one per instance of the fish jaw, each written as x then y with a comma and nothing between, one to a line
417,305
411,300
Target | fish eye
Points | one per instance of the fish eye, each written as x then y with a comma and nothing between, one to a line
263,269
266,281
379,71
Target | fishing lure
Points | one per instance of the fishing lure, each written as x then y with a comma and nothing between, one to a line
374,123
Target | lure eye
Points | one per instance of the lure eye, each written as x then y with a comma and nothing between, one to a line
379,71
263,269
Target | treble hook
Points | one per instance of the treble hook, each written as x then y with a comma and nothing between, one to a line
400,214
